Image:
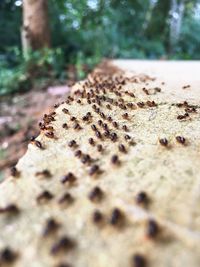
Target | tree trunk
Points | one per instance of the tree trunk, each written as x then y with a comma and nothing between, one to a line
158,26
35,31
176,16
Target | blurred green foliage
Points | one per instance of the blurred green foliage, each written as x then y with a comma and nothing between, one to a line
38,69
83,32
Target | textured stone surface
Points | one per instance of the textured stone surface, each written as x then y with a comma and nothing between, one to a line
169,175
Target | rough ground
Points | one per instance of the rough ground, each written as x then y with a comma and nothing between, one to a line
19,117
161,158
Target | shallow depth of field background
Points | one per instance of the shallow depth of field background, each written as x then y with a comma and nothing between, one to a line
84,31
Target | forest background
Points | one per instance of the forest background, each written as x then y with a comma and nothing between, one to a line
82,32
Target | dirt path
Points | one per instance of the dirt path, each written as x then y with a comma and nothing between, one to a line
19,117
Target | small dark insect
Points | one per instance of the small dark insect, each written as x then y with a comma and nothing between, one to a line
97,216
7,256
121,100
49,134
93,126
94,170
115,124
186,86
122,148
113,137
141,198
151,104
77,126
96,194
108,106
14,172
42,126
32,138
85,118
106,133
132,94
89,114
66,199
127,137
190,110
184,104
91,141
49,128
64,244
72,143
70,178
71,98
78,153
98,110
123,106
57,105
94,107
98,102
163,141
99,148
100,122
51,227
140,104
130,105
180,139
182,117
152,229
98,134
44,173
66,111
73,118
86,159
38,144
48,118
44,196
105,126
10,209
139,260
65,126
125,128
125,116
115,160
109,118
145,91
116,217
